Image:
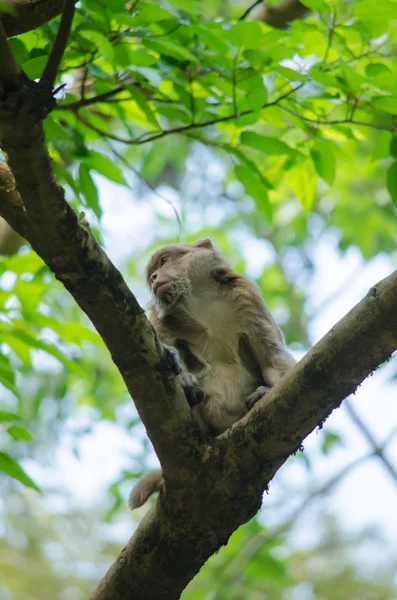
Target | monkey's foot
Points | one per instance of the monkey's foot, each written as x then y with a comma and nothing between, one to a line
193,392
253,398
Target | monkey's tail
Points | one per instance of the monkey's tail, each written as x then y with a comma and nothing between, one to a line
149,484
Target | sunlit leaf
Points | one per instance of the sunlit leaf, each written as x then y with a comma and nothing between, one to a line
324,161
255,188
89,190
303,181
12,468
386,104
103,165
54,130
19,433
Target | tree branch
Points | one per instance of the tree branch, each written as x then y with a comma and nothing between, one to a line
184,128
29,14
9,69
57,51
326,123
378,451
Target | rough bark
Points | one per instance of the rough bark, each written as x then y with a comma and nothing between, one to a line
29,14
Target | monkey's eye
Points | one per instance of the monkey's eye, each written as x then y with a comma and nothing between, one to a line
163,260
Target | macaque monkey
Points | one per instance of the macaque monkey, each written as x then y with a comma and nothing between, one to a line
231,350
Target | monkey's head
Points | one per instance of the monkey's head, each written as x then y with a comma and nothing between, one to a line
176,270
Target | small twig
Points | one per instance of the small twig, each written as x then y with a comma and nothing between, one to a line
9,68
93,100
378,450
142,140
55,57
324,123
390,436
250,9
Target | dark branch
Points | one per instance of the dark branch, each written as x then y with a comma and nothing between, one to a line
57,51
93,100
250,9
184,128
29,15
378,451
325,123
9,69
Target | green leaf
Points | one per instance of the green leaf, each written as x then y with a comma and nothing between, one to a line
13,469
212,37
169,48
97,38
19,433
318,5
249,163
245,34
255,188
53,130
373,70
143,105
324,161
34,66
382,145
255,93
290,74
19,50
391,180
89,190
303,181
5,415
142,59
383,11
267,145
393,147
147,14
329,441
103,165
353,79
7,376
387,104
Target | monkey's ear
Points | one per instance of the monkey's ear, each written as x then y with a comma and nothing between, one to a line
203,244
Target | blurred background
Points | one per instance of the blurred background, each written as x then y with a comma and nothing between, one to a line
71,443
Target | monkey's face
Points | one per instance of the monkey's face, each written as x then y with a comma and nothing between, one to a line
176,270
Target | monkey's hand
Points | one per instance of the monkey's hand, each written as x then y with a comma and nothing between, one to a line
193,392
253,398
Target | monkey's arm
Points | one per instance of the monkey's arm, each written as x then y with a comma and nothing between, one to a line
263,344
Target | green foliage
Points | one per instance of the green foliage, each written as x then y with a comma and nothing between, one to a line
149,70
